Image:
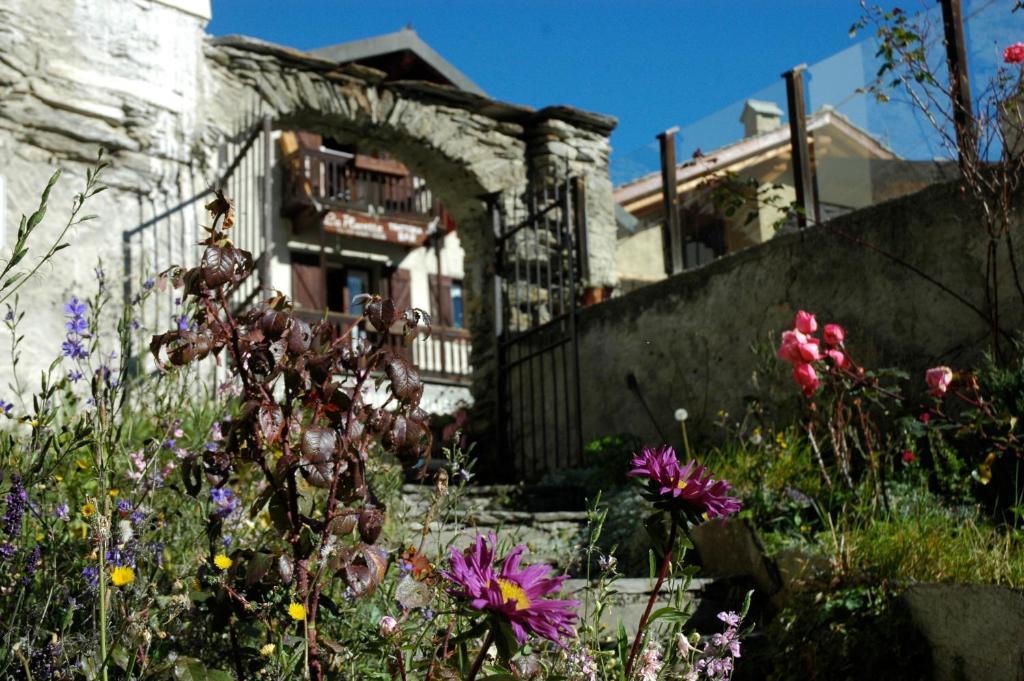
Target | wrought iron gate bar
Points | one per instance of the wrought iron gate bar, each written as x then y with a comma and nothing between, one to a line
538,367
533,331
165,238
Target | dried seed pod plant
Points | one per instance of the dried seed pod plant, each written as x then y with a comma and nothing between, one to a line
306,425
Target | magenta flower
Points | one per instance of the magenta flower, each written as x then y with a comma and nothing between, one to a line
518,594
690,486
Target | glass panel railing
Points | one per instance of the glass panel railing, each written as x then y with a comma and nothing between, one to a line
871,135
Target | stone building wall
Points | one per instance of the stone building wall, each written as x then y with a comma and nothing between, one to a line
74,77
690,339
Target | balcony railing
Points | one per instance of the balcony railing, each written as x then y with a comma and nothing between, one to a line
334,180
443,356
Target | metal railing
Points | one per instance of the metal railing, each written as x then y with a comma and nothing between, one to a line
443,356
334,180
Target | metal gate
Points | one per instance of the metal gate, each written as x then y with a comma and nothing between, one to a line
538,282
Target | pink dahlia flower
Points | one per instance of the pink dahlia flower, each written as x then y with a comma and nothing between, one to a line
690,486
1014,54
519,594
805,322
938,380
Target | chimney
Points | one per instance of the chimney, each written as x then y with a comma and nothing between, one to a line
759,116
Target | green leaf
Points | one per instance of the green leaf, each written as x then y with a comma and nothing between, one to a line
669,614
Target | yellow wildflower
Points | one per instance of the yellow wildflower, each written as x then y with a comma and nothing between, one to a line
297,611
88,509
114,492
222,561
122,575
82,464
268,650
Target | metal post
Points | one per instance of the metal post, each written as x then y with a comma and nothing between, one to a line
268,205
959,83
579,198
671,234
438,238
803,172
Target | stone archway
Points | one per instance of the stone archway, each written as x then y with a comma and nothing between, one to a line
468,148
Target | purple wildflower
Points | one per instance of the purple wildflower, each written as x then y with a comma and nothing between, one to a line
75,376
17,501
518,594
62,512
137,517
76,325
149,283
74,308
32,564
72,348
124,507
690,486
8,551
6,407
225,500
92,576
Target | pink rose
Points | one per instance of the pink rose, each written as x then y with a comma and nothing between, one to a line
938,380
834,335
1014,54
838,357
805,322
796,348
908,456
807,379
789,349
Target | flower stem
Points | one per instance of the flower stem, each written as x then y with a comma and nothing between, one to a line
479,661
103,609
665,563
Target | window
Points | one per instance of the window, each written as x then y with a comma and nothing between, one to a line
343,284
457,318
357,282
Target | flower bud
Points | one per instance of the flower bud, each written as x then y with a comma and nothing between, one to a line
388,626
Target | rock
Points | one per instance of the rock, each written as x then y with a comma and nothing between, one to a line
731,547
975,631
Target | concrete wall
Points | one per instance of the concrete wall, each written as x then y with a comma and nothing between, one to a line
688,338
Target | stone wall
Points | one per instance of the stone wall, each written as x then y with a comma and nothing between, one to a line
688,339
126,76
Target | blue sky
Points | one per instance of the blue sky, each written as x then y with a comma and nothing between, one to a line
651,64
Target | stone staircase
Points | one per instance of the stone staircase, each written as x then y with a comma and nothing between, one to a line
554,537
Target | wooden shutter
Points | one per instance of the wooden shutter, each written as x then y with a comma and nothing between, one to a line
310,140
399,289
308,282
443,316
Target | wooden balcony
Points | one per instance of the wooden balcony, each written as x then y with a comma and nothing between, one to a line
442,357
332,180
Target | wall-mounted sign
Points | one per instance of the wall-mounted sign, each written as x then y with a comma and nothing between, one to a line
379,229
